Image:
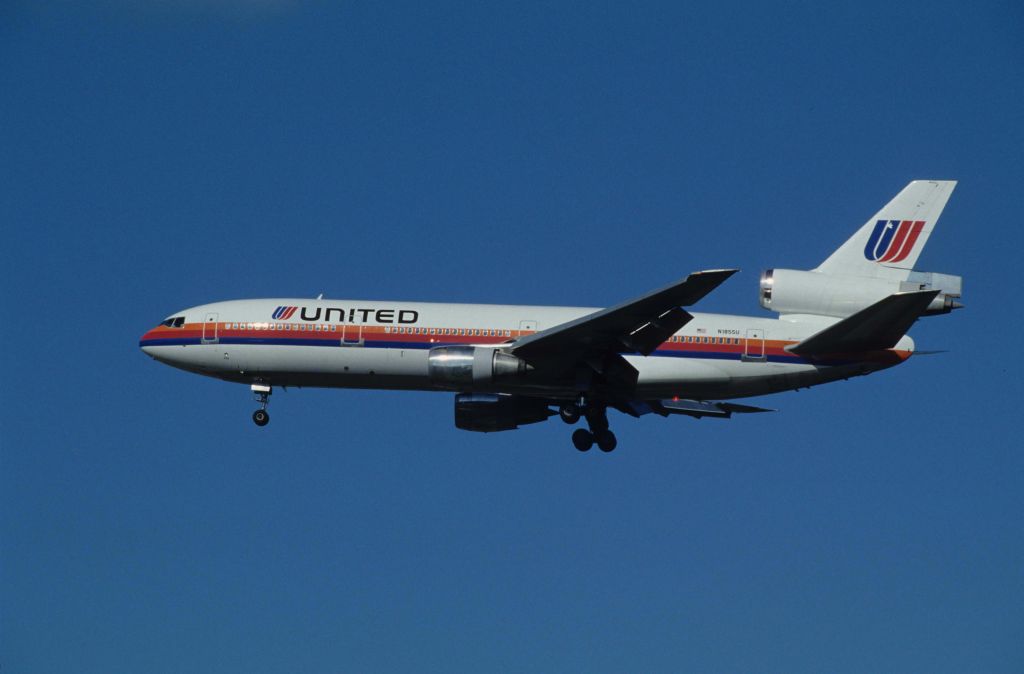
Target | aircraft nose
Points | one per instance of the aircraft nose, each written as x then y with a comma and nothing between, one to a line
146,343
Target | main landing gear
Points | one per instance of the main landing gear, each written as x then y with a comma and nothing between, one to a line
597,420
261,393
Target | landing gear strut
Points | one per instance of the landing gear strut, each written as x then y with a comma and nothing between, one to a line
261,393
597,420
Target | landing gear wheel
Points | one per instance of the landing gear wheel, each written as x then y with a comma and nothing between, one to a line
606,441
570,413
260,417
582,439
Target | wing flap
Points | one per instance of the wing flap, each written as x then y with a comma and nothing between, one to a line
875,328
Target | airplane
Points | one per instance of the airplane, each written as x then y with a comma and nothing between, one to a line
515,365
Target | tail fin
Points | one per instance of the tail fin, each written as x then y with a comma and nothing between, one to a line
888,244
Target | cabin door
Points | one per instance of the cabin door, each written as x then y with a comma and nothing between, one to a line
754,345
210,329
352,335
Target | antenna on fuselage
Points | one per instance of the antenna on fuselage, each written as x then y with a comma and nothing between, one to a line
320,296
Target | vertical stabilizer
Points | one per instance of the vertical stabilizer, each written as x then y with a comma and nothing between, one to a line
888,244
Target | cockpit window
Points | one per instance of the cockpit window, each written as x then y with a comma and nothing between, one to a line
175,322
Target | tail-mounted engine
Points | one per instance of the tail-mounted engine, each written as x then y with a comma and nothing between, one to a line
789,291
491,412
461,367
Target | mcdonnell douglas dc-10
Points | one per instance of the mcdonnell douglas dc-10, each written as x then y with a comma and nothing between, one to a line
515,365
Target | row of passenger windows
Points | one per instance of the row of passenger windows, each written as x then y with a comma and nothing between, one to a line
458,332
318,327
403,330
691,339
299,327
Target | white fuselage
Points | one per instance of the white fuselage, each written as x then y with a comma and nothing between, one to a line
385,345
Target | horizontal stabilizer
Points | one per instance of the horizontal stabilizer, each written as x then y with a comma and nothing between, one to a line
875,328
699,408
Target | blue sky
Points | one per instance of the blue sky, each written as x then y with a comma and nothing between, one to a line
164,156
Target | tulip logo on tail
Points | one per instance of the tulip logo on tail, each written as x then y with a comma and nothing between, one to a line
283,313
892,240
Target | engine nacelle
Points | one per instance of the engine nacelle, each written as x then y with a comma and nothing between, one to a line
462,367
789,291
491,412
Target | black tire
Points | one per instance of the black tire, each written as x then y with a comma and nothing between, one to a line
606,441
570,414
260,417
582,439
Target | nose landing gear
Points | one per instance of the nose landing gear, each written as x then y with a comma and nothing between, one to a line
261,393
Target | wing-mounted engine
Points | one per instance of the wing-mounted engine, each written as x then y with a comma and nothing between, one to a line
789,291
461,367
491,412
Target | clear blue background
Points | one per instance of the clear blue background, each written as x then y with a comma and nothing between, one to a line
163,156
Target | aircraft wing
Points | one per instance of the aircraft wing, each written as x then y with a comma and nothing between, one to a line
637,326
